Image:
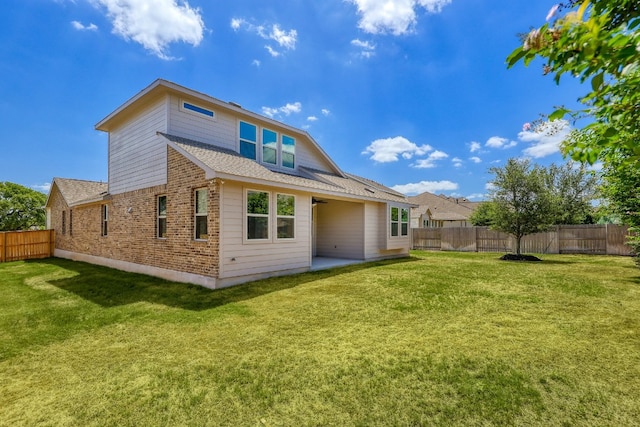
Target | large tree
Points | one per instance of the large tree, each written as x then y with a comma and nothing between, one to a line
21,208
522,200
573,188
598,41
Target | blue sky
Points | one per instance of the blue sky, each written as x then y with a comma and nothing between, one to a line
414,94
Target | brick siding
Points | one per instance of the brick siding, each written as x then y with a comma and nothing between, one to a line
132,223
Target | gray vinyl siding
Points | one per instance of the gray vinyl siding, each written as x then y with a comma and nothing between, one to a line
137,157
219,131
241,258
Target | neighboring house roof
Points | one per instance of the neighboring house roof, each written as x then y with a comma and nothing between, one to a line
441,207
78,191
227,164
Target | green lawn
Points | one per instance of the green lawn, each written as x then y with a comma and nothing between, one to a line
437,339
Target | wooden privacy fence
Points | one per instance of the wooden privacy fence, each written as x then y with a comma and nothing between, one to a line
19,245
603,239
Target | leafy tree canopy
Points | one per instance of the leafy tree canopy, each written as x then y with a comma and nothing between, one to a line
522,202
21,208
599,41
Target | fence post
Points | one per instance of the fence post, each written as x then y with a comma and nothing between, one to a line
52,242
3,245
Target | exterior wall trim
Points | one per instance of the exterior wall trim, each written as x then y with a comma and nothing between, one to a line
163,273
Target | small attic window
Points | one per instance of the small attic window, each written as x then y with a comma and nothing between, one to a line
196,109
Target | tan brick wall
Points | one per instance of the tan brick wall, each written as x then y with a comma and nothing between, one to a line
132,224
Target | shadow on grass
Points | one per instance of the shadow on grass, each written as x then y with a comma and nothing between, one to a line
108,287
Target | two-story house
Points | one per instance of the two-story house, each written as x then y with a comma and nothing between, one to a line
203,191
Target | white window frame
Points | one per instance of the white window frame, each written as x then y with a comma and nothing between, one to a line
160,217
247,215
104,220
293,217
197,214
195,109
400,234
257,143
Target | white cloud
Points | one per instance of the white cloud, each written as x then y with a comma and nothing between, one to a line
285,39
312,119
498,142
430,162
475,159
325,112
422,186
156,25
81,27
287,109
367,50
387,150
236,23
393,16
457,162
272,51
474,146
545,139
44,188
476,196
489,186
256,63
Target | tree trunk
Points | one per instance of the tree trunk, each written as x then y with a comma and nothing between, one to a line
518,239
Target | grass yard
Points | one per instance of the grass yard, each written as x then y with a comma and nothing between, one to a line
438,339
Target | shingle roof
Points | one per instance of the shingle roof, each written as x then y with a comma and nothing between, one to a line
441,207
76,191
231,164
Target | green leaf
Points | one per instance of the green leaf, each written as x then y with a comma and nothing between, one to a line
515,56
610,133
597,81
558,114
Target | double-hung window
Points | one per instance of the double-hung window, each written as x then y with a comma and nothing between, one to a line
257,215
162,217
104,219
70,222
288,152
269,147
394,221
64,222
248,140
399,222
286,216
200,220
404,222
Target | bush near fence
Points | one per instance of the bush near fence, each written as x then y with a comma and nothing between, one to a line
20,245
606,239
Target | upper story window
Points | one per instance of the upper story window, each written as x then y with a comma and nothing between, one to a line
248,140
288,151
192,108
200,220
267,146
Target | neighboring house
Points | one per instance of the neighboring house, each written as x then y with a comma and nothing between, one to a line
440,211
204,191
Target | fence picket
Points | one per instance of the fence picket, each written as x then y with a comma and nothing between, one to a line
576,239
21,245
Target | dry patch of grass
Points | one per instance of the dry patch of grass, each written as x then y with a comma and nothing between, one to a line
439,339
